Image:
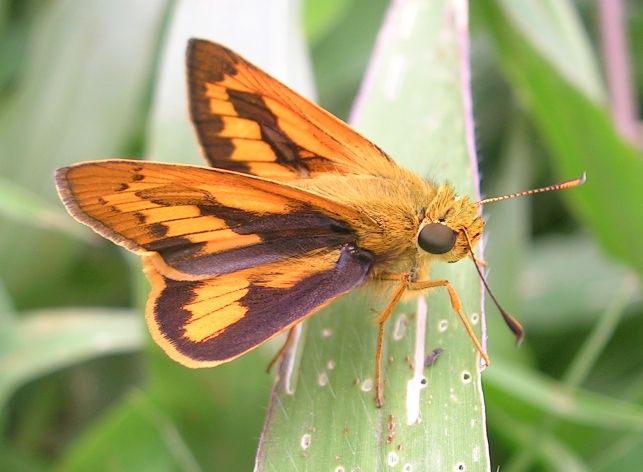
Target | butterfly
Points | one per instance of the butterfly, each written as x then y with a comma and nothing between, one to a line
295,210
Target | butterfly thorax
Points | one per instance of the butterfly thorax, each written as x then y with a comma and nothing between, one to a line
393,210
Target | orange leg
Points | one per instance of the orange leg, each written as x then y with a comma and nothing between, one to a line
282,349
381,320
406,284
457,307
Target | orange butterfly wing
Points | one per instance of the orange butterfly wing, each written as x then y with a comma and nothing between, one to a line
249,122
203,323
232,259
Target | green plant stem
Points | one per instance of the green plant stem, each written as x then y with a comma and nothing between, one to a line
594,345
575,375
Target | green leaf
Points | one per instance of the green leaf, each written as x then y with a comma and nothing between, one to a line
7,309
555,31
341,57
322,414
19,204
151,443
320,17
81,96
18,461
527,389
578,132
575,375
63,338
555,454
561,266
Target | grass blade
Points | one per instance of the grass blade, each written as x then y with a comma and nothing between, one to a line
563,113
64,337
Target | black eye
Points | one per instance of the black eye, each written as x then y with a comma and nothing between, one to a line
436,238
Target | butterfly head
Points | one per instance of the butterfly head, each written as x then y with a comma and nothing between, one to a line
446,220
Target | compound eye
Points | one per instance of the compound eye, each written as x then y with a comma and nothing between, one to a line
436,238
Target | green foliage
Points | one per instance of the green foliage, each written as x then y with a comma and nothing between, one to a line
38,343
85,389
563,112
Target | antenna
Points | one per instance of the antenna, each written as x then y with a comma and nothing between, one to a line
512,323
561,186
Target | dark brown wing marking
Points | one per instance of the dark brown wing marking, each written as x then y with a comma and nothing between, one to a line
249,122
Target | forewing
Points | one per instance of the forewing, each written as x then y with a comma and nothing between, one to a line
249,122
203,323
194,222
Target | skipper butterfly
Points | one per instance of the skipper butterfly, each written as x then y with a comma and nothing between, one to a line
296,210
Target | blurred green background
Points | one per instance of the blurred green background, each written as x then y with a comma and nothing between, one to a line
81,385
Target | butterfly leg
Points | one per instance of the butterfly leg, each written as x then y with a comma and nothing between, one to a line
407,284
381,320
457,307
282,350
456,304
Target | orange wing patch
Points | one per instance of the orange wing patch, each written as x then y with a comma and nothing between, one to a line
249,122
203,323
